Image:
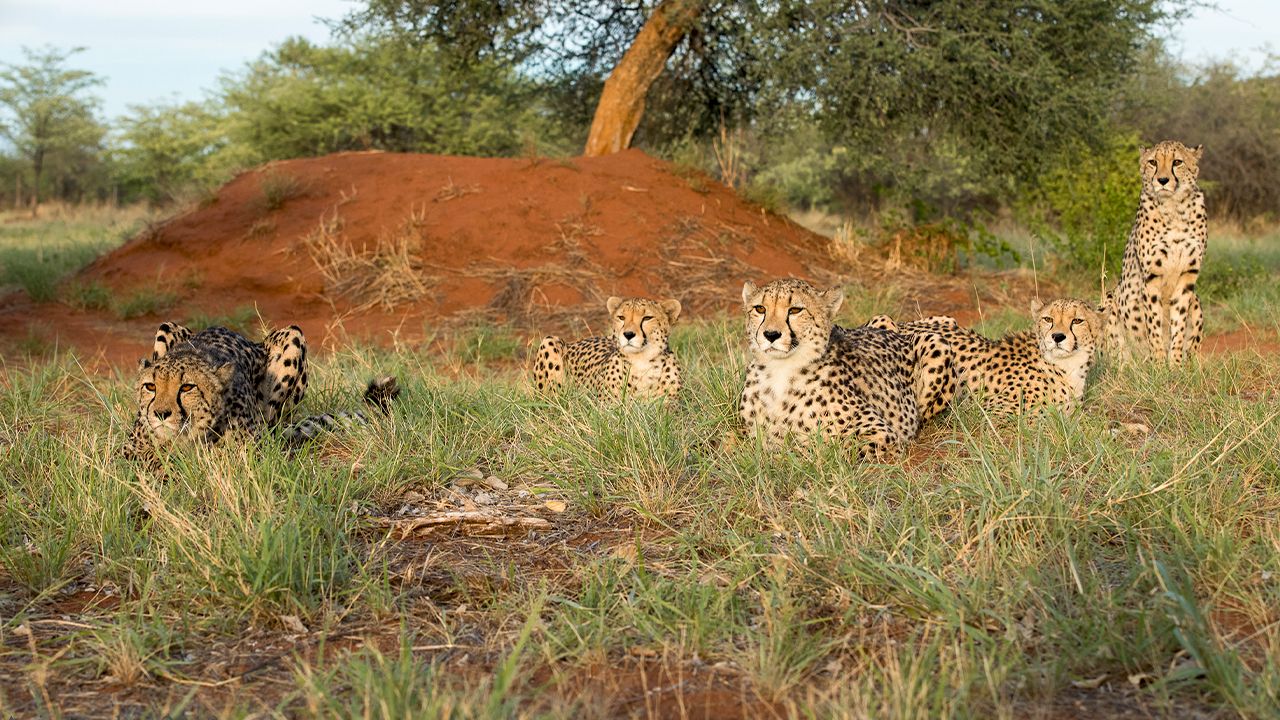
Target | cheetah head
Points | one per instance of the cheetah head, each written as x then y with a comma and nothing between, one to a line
642,326
789,318
1067,329
1170,168
180,396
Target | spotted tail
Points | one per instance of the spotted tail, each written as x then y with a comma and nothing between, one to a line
379,394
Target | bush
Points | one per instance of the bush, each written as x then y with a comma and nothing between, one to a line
1084,205
1232,114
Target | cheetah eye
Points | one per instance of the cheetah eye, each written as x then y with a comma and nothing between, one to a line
1176,163
149,387
794,311
1047,319
1151,162
622,318
646,318
1077,321
759,309
186,387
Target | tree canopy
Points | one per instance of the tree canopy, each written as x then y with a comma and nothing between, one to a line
1004,78
48,111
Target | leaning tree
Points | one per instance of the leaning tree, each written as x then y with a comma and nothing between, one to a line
1008,78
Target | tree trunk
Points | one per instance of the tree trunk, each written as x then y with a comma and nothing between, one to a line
38,167
622,101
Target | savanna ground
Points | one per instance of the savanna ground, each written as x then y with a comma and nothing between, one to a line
624,561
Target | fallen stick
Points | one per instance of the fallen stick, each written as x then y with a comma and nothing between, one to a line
458,517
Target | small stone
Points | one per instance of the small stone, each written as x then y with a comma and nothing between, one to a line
494,483
468,477
485,498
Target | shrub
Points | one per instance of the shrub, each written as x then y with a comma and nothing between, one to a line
1084,205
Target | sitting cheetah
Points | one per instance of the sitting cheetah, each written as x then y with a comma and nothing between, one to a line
1154,311
1047,366
808,375
216,382
634,360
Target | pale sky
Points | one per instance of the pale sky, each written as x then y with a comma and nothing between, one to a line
150,50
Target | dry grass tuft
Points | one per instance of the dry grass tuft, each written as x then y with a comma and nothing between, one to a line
387,274
451,191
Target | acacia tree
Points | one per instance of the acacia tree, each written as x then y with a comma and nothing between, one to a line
47,109
1004,78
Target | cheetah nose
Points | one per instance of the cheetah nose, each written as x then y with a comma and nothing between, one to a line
162,414
772,335
1059,337
1163,180
628,334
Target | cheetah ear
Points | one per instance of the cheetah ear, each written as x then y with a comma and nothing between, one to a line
1036,305
1099,319
833,299
1197,151
612,304
225,372
671,308
748,289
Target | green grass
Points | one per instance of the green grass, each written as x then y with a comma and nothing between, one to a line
36,254
144,301
1124,559
243,319
278,188
1010,561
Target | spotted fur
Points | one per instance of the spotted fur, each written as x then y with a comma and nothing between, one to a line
809,376
1047,366
1154,311
204,386
634,360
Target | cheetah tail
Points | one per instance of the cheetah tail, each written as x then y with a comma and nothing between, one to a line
381,392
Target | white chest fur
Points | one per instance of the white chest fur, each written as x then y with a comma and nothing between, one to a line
774,388
645,371
1075,369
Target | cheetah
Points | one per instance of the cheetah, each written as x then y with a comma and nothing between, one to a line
207,385
808,375
1154,311
1047,366
635,360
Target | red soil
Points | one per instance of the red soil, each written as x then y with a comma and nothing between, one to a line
498,240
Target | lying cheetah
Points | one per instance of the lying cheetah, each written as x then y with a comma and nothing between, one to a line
809,375
203,386
1033,369
635,360
1154,311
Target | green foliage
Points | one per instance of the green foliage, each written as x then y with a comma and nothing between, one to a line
1001,83
1233,114
143,302
303,99
277,188
167,151
48,115
88,296
1085,203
